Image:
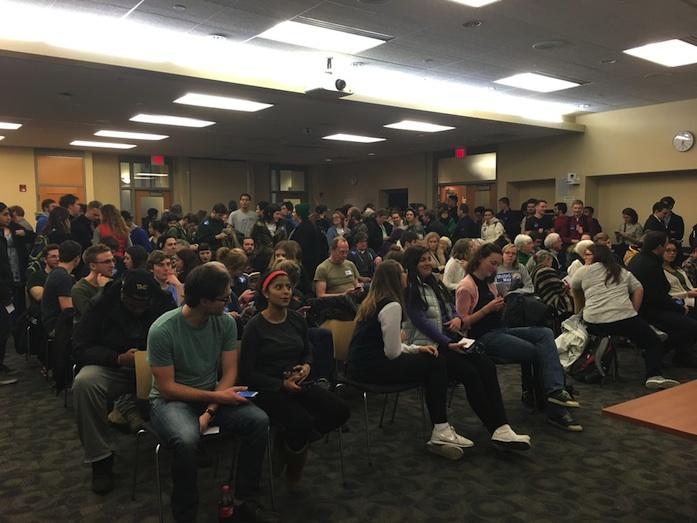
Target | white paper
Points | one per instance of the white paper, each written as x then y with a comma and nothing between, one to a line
466,342
211,430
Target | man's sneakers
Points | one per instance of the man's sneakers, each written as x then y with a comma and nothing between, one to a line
8,381
103,475
565,422
7,371
251,511
505,438
447,443
563,399
659,382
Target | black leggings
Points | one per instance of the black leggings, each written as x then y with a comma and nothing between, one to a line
416,368
478,375
303,415
637,331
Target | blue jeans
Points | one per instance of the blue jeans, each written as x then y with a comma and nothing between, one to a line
176,423
534,345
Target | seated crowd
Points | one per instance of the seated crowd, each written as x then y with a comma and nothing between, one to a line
231,301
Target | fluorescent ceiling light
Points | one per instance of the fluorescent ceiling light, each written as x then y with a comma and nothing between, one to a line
103,145
130,135
221,102
170,120
343,137
10,126
151,175
671,53
536,82
475,3
322,38
412,125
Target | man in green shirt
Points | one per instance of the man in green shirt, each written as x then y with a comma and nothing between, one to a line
184,348
336,276
100,261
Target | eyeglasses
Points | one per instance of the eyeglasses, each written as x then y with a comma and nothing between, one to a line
224,299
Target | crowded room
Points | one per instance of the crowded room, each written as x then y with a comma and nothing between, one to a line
348,261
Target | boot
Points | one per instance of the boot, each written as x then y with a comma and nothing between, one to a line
278,455
103,475
295,461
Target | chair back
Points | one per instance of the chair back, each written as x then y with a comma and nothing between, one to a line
342,332
143,375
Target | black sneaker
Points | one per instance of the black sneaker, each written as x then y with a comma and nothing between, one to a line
565,422
563,399
103,475
252,512
7,371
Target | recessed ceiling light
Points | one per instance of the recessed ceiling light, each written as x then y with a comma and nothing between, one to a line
546,45
323,38
472,23
171,120
10,126
2,137
536,82
584,106
412,125
179,7
217,36
343,137
130,135
102,145
606,61
671,53
474,3
221,102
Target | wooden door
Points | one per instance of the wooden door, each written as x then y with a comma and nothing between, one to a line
144,200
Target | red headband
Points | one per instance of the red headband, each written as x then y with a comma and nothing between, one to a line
270,277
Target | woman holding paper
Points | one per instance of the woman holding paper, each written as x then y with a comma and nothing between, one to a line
432,321
479,307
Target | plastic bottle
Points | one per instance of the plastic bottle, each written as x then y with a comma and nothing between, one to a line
225,507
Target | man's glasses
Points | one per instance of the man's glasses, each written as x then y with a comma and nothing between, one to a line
224,299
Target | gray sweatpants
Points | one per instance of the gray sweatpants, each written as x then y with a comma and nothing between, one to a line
93,387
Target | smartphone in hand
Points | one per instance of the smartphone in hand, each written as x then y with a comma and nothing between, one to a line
247,393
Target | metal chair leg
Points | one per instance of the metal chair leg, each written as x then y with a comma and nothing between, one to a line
384,406
341,459
135,465
158,483
367,437
394,407
424,423
26,354
268,456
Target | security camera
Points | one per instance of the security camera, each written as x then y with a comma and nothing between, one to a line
340,84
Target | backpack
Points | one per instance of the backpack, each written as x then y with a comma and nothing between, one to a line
693,237
597,360
37,251
524,310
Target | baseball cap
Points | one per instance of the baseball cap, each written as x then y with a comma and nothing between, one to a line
139,284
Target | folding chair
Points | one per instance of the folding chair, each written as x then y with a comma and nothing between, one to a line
143,385
342,332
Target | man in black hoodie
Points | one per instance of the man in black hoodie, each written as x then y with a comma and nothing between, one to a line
466,227
658,307
104,343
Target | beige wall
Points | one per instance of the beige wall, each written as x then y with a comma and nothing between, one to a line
17,167
215,181
105,177
413,172
623,142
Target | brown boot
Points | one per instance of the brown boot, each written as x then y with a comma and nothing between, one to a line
295,463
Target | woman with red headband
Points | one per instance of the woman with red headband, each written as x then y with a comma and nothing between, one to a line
275,362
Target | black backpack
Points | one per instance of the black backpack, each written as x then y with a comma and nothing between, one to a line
524,310
598,360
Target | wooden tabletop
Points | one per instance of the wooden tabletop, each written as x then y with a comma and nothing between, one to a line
672,410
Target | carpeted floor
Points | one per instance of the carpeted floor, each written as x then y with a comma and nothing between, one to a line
613,471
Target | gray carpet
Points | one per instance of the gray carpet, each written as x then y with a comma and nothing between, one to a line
613,471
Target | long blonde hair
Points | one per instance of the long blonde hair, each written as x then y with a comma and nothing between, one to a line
113,219
386,284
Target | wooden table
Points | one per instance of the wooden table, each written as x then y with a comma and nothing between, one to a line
672,410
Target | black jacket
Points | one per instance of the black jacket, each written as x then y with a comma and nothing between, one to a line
654,224
107,329
466,228
375,238
648,269
438,227
676,227
208,231
6,278
314,250
82,231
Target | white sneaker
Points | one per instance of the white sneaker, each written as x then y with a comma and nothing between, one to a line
448,436
447,451
659,382
505,438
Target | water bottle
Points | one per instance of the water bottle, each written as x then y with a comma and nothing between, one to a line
225,506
